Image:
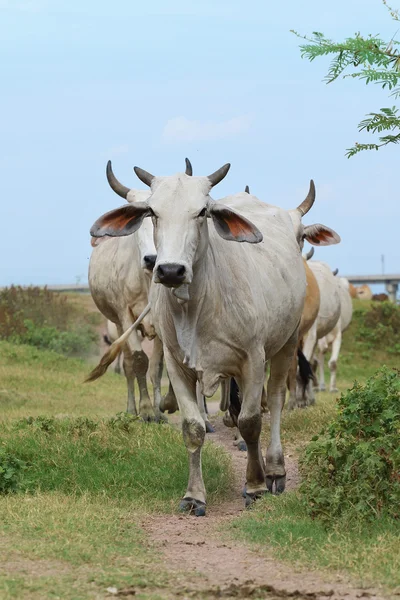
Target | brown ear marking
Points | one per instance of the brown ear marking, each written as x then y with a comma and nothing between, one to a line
237,226
121,221
233,227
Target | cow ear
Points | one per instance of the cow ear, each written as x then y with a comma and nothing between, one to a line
320,235
233,227
121,221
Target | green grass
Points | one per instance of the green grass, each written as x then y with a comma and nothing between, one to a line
58,546
370,553
73,528
119,459
35,382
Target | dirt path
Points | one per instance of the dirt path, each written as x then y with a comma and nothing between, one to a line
229,569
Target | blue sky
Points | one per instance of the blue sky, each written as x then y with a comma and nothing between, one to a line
150,83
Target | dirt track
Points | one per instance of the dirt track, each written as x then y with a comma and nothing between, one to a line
223,568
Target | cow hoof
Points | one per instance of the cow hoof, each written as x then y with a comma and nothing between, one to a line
251,497
278,480
322,388
193,506
161,419
334,390
242,446
209,427
148,417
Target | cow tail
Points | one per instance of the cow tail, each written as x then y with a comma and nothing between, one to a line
305,370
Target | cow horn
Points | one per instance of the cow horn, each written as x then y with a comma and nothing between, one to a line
115,185
335,272
189,169
144,176
247,189
309,201
310,254
218,176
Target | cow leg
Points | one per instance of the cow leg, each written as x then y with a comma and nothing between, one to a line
321,366
193,431
141,365
239,442
249,422
202,408
155,371
310,342
276,393
292,383
337,342
117,368
130,381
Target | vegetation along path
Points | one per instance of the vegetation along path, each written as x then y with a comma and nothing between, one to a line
224,568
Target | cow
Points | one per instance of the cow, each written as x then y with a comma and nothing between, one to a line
119,280
334,337
225,298
300,376
352,290
328,314
380,297
364,292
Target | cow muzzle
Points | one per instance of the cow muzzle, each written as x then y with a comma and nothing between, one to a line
149,261
170,274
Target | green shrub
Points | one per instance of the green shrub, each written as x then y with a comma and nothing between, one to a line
352,469
46,320
11,469
379,326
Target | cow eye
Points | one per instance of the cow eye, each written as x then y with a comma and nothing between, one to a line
202,213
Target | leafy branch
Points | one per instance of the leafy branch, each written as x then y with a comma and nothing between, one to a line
371,60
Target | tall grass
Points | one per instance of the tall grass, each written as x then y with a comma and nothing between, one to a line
46,319
119,458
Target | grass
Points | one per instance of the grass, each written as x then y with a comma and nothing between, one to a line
116,459
59,546
73,528
35,382
370,553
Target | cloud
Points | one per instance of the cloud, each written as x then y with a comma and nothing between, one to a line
181,129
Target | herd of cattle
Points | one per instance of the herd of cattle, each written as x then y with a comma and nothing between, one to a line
220,312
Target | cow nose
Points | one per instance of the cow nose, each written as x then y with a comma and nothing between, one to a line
149,261
171,273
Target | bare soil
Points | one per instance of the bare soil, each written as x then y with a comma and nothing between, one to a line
208,565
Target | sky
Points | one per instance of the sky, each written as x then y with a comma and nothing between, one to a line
149,83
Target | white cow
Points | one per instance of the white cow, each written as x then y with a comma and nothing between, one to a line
222,309
328,315
119,280
334,337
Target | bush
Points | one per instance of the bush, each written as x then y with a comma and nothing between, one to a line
46,320
352,469
10,472
379,326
